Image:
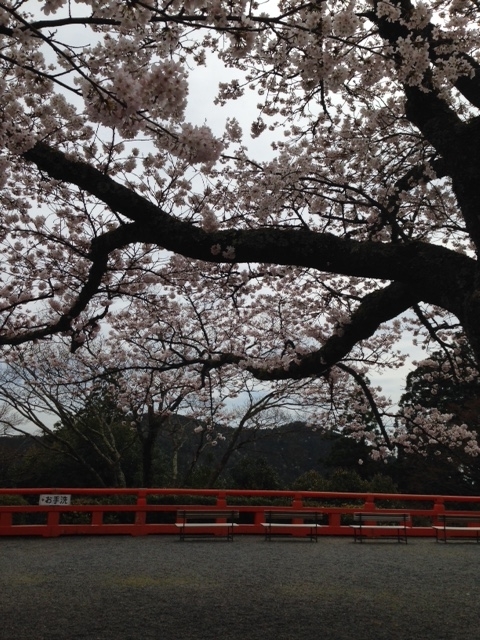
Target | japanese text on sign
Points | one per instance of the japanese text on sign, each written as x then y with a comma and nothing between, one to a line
54,499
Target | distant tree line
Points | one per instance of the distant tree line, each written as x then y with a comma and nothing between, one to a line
291,456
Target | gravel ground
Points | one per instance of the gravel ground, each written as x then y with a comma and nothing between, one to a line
156,587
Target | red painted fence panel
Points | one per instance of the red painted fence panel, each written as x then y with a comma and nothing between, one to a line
154,511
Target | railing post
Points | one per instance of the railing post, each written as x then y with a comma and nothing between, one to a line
221,500
140,516
297,502
53,523
334,522
6,519
97,518
438,509
258,518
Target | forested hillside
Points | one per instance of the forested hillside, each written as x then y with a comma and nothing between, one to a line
290,456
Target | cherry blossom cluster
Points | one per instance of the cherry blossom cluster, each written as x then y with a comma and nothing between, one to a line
119,104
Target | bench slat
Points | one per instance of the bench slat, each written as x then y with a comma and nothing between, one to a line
441,528
205,524
207,514
284,520
375,526
290,525
194,521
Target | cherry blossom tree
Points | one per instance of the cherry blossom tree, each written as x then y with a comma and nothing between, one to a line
113,396
83,425
83,398
163,370
361,224
439,410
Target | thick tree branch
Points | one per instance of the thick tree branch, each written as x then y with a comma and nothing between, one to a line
87,292
375,308
436,275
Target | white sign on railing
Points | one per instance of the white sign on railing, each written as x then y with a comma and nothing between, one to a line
54,499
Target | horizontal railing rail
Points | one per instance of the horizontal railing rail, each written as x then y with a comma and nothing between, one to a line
74,511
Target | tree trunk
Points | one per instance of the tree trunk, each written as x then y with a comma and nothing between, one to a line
148,447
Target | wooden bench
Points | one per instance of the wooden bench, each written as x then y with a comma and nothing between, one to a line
284,522
458,526
202,522
386,525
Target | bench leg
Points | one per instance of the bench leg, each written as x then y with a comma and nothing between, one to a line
357,533
402,538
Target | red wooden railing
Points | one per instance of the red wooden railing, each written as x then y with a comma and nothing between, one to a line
153,511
